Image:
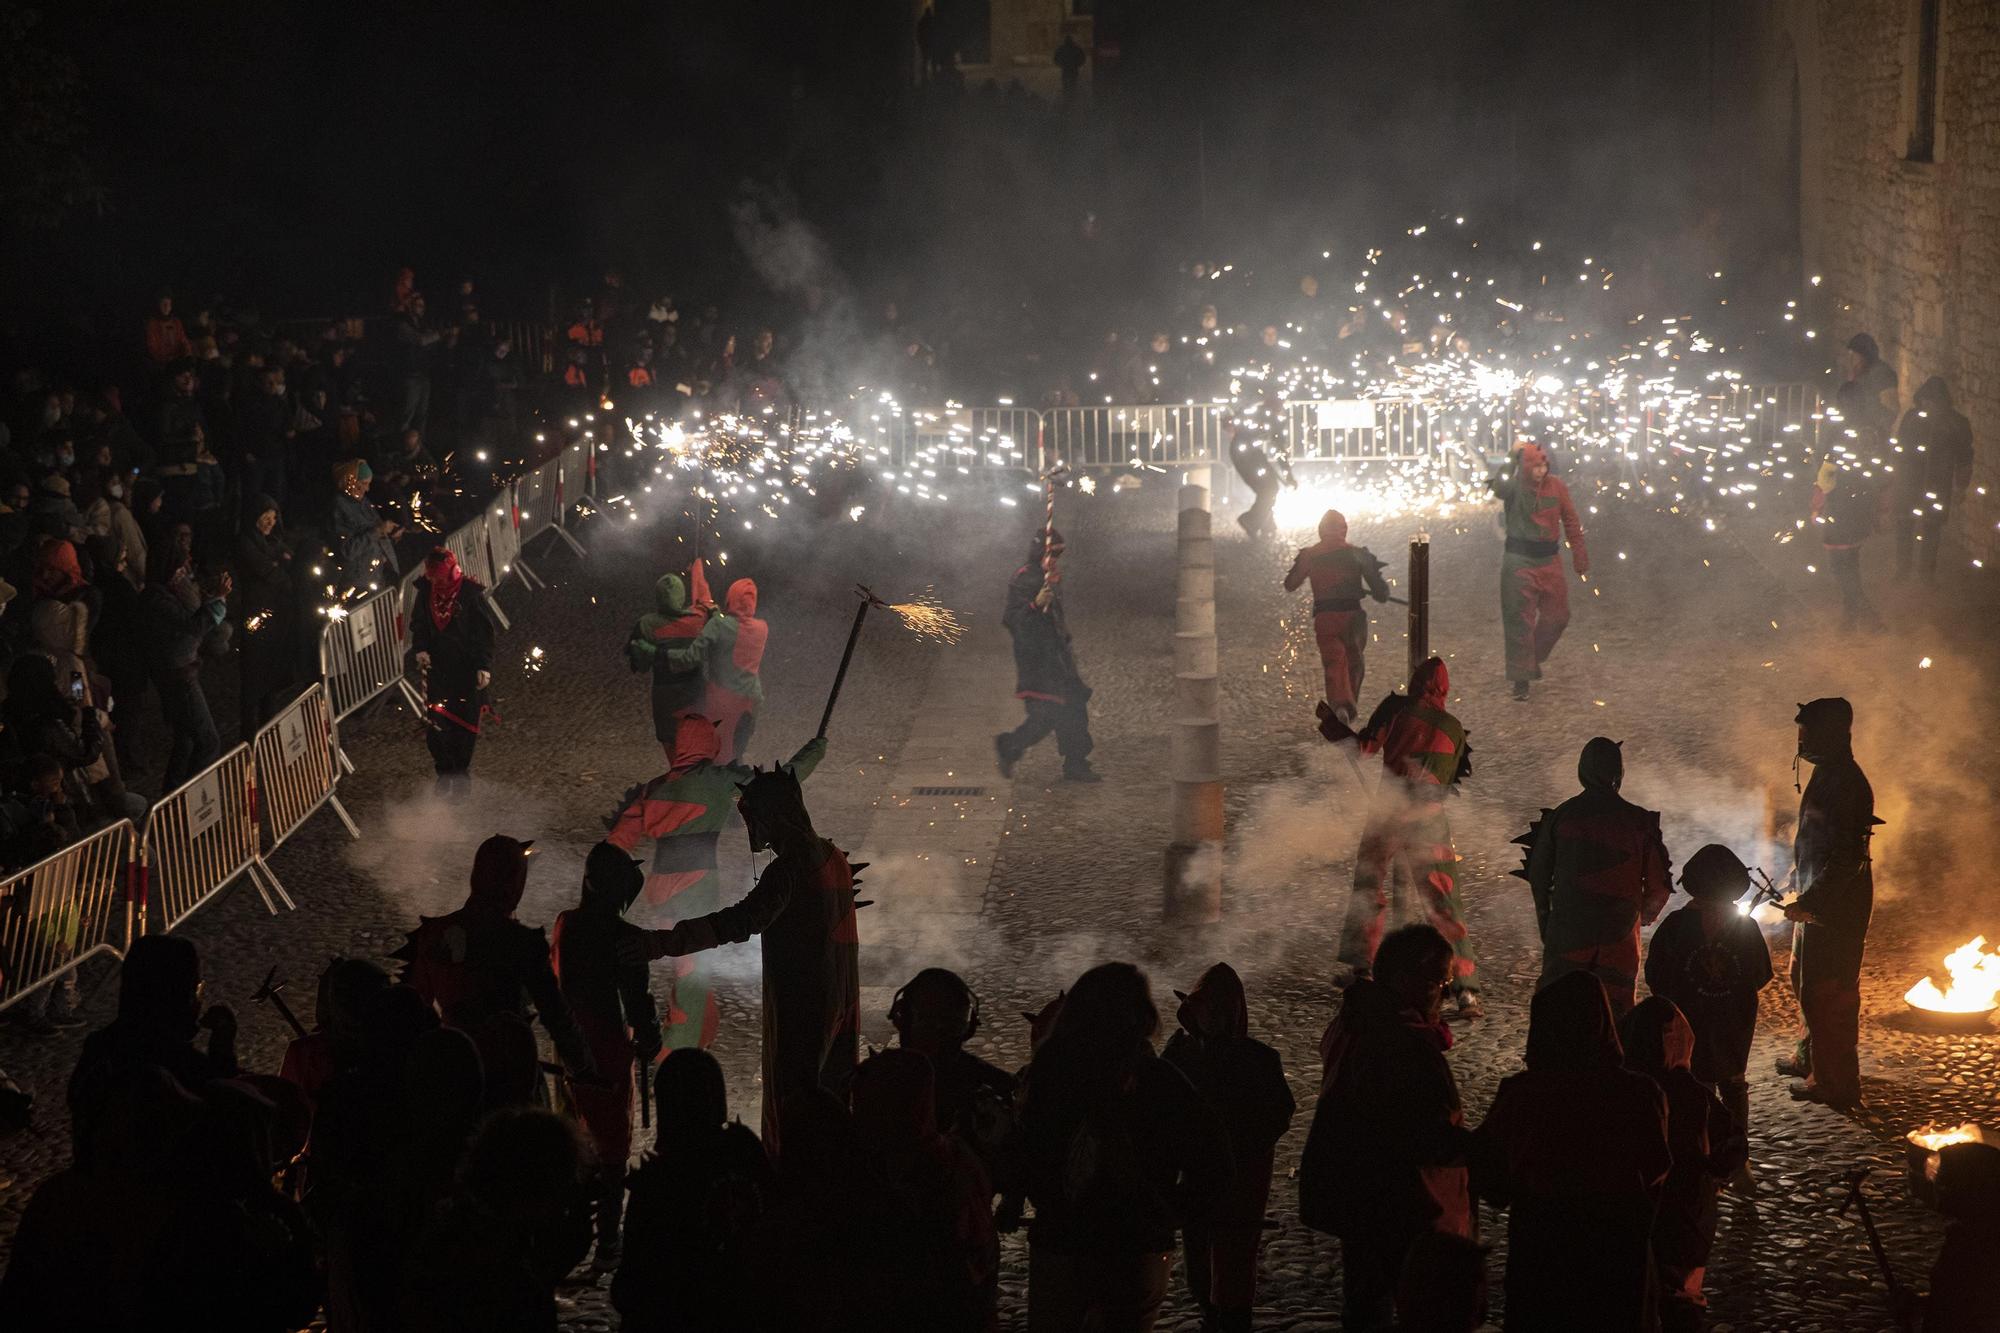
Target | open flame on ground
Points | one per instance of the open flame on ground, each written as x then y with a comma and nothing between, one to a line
1974,987
1931,1138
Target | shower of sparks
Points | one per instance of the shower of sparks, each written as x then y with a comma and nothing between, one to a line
928,618
534,661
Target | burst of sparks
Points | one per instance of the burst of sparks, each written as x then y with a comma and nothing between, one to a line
928,618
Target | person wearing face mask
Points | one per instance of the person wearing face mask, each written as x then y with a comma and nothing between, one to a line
55,512
110,515
1534,598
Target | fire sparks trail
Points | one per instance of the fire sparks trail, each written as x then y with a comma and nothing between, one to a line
1975,982
928,618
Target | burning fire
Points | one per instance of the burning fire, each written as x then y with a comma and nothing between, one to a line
1930,1138
1975,982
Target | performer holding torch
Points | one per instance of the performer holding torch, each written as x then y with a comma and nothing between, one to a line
453,638
1046,678
1339,574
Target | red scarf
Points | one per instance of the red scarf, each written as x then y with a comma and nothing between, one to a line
446,579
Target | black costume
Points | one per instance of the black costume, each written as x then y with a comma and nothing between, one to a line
267,607
1836,884
1045,675
1932,473
451,625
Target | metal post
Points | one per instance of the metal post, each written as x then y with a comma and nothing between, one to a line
1193,872
1420,602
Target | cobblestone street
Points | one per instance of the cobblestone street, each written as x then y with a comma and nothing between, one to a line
1683,646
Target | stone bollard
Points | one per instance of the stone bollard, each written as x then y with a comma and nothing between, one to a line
1193,871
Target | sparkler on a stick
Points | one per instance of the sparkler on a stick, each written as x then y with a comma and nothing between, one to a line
926,617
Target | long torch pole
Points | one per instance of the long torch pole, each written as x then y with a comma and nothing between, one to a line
1420,602
853,637
1048,506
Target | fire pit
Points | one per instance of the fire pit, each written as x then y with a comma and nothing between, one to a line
1920,1156
1971,996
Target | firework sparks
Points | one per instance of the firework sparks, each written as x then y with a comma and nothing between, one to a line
928,618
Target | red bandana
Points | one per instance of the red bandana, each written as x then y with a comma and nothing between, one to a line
446,578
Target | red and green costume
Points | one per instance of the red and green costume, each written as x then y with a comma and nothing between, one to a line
683,811
678,617
1534,596
729,653
1424,754
1599,871
1340,574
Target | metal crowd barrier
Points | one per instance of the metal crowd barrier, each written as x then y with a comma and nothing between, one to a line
361,652
64,909
298,768
202,835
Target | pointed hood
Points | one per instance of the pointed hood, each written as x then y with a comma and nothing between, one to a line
1935,395
695,740
1828,730
1532,454
741,599
1216,1007
1570,1027
499,877
1657,1037
670,595
1602,764
1432,683
1333,528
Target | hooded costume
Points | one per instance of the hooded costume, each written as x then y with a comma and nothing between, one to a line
729,654
1933,468
803,906
1711,961
683,811
1598,871
1707,1144
1836,884
1046,680
481,968
613,1005
1424,754
1574,1148
450,623
1244,1081
1339,574
677,618
1844,510
1534,596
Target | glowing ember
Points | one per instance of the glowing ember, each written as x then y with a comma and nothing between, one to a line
929,618
1975,982
1931,1138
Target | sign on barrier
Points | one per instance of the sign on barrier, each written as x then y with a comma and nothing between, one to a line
64,909
202,835
361,652
297,768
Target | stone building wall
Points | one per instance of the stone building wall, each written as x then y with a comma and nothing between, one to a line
1908,250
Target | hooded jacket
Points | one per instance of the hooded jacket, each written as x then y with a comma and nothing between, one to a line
1421,744
1598,870
1044,661
1538,515
1936,443
729,650
1703,1137
674,622
1830,858
1242,1078
1339,573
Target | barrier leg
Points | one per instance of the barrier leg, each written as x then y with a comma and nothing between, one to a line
410,697
340,756
534,581
341,810
493,605
569,541
261,875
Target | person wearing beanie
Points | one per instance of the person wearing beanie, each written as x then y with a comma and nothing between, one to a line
1598,871
1534,597
366,540
1836,897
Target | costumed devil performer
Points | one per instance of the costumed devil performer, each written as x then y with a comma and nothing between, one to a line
1836,885
729,653
453,638
1534,596
1340,574
1424,755
803,906
683,811
1046,680
613,1005
1598,870
679,615
480,968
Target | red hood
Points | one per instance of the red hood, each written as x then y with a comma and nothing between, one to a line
1531,454
1216,1008
1432,683
57,571
741,599
694,741
1333,528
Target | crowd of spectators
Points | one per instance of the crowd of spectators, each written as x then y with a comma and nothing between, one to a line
385,1176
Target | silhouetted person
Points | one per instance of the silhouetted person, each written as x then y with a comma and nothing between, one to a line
267,608
451,634
518,1222
695,1199
1932,473
935,1014
1443,1287
1069,59
346,988
1244,1080
1116,1151
1384,1162
1575,1148
1962,1294
1711,960
1046,680
1836,884
1707,1145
